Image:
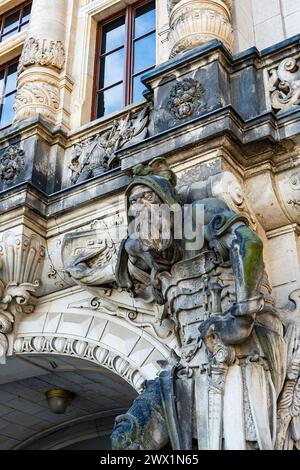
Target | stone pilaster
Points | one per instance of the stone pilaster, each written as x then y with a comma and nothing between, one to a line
42,62
194,22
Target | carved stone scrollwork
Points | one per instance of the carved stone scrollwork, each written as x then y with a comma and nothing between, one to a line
20,263
185,98
284,85
94,156
37,98
194,22
42,52
11,164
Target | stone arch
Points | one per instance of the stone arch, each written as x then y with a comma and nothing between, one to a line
106,340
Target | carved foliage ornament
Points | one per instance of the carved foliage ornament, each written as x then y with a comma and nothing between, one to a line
11,164
185,98
284,85
94,156
42,52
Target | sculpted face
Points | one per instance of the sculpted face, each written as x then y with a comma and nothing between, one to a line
151,219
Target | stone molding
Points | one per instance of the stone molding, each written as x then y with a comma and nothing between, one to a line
42,52
87,350
195,22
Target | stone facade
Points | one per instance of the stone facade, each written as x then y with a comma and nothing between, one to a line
222,106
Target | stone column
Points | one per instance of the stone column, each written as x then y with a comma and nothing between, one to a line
42,62
194,22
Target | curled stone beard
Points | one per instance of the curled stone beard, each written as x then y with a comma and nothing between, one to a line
163,229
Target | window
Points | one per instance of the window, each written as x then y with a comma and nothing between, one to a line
126,49
8,89
15,21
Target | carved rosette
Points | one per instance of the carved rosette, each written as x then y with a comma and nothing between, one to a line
37,97
21,258
185,98
11,164
42,52
195,22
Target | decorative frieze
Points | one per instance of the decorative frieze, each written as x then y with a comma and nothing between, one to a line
195,22
38,51
94,156
185,98
284,85
11,164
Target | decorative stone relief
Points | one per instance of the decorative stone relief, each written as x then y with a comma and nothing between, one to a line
224,186
11,164
161,328
35,98
185,98
83,350
21,258
42,52
97,155
284,85
195,22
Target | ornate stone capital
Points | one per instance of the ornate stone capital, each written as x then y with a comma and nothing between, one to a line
42,52
194,22
21,258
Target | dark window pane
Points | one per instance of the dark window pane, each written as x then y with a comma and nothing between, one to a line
11,82
138,89
2,84
112,68
113,35
144,53
26,13
110,100
11,22
7,110
145,19
10,34
24,26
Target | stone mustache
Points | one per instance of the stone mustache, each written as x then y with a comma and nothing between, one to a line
222,386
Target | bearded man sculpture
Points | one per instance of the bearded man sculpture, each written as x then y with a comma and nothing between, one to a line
220,389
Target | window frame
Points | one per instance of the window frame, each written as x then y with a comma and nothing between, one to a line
6,67
129,75
18,28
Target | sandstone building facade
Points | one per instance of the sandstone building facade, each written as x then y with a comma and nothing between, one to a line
90,89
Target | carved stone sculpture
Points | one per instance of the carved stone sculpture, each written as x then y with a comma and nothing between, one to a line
185,98
194,22
93,157
284,85
232,366
43,52
21,259
11,164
